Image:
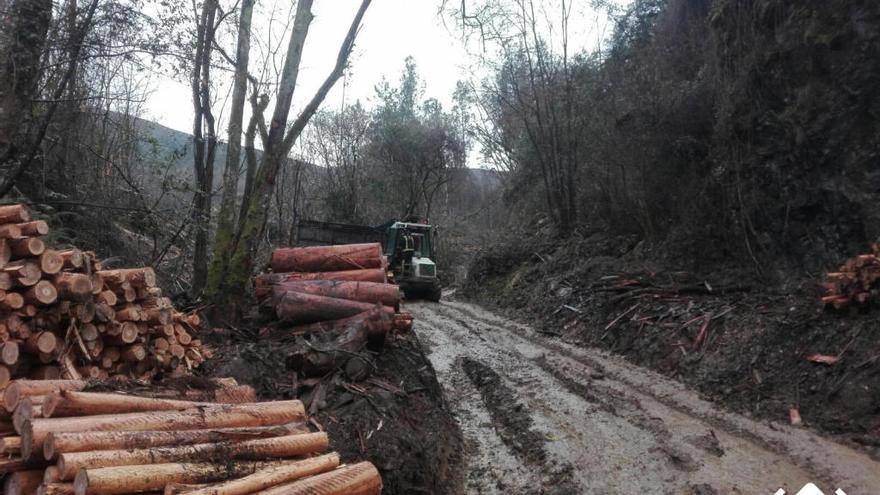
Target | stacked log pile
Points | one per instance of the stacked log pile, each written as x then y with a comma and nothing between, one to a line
856,282
337,296
88,443
63,315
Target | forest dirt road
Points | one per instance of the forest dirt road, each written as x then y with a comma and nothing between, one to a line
541,416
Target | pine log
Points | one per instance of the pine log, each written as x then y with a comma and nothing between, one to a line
24,272
16,464
269,477
9,352
47,372
375,321
134,353
10,231
12,301
43,342
354,479
51,475
226,415
124,479
73,286
264,281
129,312
296,307
24,412
107,297
73,258
26,247
71,403
88,332
137,277
29,388
5,377
5,279
5,252
14,214
61,443
42,293
34,228
327,258
368,292
23,482
279,447
10,446
55,489
51,262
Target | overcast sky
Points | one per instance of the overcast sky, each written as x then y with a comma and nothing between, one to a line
391,31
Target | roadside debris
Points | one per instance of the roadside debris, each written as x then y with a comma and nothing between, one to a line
855,282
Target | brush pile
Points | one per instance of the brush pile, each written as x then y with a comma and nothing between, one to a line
63,315
336,298
856,283
158,439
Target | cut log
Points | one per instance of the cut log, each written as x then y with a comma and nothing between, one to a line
375,321
73,258
34,228
46,372
24,272
24,412
70,403
60,443
265,448
10,446
23,482
55,489
88,332
26,247
327,258
73,286
42,342
226,415
5,252
12,301
5,377
355,479
14,214
127,479
264,281
296,307
9,352
134,353
29,388
5,279
269,477
10,231
368,292
42,293
51,262
107,297
137,277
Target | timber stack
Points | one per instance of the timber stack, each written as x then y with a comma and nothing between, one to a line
337,296
170,441
856,282
63,315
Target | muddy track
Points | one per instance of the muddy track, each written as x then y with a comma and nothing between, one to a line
541,416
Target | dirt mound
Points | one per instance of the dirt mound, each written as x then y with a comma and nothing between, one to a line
740,342
396,418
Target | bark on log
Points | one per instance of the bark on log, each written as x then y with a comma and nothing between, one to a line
41,342
24,272
296,307
376,322
269,477
9,352
14,214
10,446
367,292
69,464
10,231
73,286
73,258
29,388
327,258
71,403
26,247
137,277
264,281
34,228
119,480
55,489
58,443
226,415
354,479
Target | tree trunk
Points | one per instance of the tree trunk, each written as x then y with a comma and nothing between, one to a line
277,146
225,233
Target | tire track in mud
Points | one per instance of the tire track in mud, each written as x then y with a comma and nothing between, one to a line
623,428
